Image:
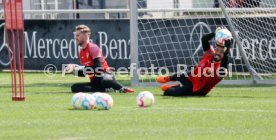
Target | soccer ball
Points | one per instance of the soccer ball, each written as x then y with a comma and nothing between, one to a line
223,35
83,101
103,101
145,99
97,94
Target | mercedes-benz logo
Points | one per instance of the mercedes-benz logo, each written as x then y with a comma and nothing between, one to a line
5,46
201,26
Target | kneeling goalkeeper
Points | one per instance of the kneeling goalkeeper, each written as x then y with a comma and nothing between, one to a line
200,80
94,65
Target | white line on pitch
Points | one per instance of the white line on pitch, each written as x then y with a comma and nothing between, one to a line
209,109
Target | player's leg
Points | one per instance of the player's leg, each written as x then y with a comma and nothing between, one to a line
185,90
176,77
84,87
108,81
178,91
182,78
167,86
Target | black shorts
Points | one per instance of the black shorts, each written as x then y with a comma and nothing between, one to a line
101,83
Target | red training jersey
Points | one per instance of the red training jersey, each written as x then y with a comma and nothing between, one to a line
87,56
204,77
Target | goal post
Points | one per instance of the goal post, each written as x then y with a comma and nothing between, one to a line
134,41
169,33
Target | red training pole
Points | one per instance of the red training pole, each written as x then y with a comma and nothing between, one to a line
14,24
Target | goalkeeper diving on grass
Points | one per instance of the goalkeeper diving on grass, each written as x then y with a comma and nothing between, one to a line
208,73
94,65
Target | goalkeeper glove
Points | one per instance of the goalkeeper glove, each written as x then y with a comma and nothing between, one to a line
228,43
227,46
70,68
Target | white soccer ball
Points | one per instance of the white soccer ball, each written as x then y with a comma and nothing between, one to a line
83,101
223,35
97,94
103,101
145,99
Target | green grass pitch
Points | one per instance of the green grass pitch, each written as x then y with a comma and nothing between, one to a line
228,112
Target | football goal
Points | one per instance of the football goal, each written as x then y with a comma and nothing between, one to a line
166,34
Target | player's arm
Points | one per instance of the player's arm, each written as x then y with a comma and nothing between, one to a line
205,41
75,69
81,71
225,59
96,68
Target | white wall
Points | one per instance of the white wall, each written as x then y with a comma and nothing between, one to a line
159,4
203,3
167,4
26,5
186,3
113,4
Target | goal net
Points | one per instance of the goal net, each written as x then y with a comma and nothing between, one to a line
169,34
255,24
